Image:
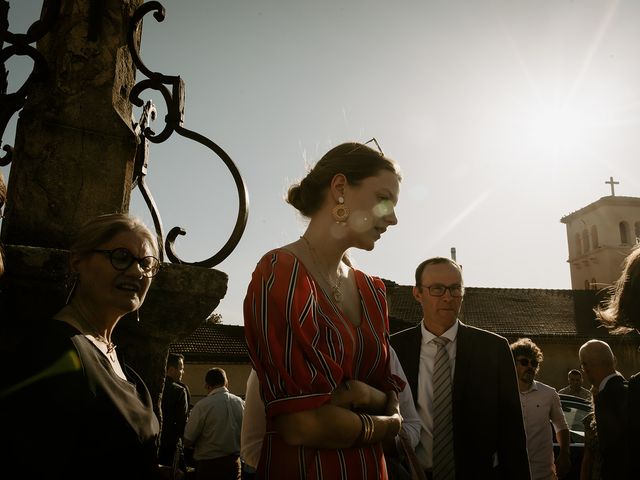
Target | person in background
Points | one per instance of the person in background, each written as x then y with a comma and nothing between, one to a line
540,405
175,409
317,328
76,409
213,429
254,426
481,433
612,409
621,313
575,387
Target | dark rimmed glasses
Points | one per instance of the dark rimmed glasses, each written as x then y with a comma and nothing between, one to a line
525,362
121,259
455,291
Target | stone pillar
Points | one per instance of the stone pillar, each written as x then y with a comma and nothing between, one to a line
75,147
73,159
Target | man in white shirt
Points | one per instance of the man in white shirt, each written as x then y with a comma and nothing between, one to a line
540,405
214,428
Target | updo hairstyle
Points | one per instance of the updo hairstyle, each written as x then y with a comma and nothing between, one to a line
354,160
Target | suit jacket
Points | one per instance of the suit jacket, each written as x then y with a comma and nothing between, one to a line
487,416
612,422
175,409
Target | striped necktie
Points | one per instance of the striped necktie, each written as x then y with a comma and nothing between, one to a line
444,467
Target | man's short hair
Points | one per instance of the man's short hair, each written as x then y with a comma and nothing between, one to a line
524,347
215,377
433,261
173,360
575,371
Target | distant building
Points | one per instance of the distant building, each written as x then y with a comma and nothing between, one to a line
599,237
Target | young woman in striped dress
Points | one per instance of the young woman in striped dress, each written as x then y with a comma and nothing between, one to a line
317,328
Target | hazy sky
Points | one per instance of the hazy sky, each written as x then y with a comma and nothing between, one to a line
503,115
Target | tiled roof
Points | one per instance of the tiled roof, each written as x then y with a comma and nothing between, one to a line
512,312
214,343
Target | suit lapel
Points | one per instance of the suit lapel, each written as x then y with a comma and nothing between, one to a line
464,345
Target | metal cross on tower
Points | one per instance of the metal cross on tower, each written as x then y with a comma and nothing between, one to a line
612,183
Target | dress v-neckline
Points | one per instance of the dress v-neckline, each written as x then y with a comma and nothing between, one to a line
341,313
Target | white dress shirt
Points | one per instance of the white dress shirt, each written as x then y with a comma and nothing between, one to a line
541,405
424,451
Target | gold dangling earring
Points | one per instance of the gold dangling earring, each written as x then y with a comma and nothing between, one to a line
138,315
340,212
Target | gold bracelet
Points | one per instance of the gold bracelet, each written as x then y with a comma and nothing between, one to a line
367,427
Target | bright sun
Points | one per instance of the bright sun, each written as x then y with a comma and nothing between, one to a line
556,128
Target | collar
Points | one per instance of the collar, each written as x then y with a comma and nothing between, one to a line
534,386
217,390
451,334
604,381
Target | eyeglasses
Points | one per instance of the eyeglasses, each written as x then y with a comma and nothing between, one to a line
439,290
525,362
121,259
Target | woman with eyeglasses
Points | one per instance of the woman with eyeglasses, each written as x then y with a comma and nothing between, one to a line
317,327
78,410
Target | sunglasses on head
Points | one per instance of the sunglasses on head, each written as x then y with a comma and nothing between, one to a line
525,362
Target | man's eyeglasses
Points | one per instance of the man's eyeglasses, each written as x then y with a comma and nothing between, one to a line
525,362
121,259
440,290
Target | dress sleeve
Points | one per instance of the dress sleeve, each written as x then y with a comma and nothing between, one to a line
283,336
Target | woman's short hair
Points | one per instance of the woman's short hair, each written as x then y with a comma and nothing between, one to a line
621,312
355,161
103,228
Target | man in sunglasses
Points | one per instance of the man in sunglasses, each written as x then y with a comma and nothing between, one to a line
463,383
540,405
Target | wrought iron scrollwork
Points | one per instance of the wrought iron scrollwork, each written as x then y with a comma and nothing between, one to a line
174,99
20,45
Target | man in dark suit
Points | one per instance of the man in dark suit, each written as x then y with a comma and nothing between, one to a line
611,395
175,409
488,436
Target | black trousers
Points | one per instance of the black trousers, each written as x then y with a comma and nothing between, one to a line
221,468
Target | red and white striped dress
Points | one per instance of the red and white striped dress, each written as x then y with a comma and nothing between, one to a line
302,347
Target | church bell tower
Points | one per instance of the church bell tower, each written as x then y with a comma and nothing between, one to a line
599,237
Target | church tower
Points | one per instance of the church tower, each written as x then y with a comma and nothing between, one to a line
600,236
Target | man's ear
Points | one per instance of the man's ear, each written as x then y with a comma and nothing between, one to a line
417,294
